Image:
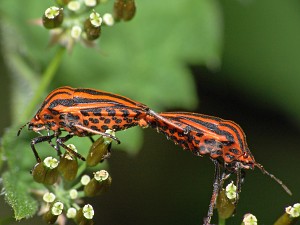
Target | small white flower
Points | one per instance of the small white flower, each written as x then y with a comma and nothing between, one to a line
230,191
75,33
88,211
85,179
49,197
52,12
73,194
71,213
108,19
250,219
95,19
57,208
107,140
51,162
293,211
74,5
101,175
90,3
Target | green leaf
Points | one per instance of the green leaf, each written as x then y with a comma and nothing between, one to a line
17,195
17,181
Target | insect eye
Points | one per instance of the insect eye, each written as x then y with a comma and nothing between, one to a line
36,117
245,155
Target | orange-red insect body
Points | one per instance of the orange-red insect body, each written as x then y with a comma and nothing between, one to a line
223,140
84,112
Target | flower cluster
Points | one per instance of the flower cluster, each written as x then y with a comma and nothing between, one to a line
71,21
65,185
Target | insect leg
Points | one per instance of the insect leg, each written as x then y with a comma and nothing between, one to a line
92,139
216,189
39,139
61,140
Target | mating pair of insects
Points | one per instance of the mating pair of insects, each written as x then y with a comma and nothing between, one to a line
87,112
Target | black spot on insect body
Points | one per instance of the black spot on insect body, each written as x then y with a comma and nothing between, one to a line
62,124
230,157
84,113
95,121
104,127
118,121
199,134
107,121
164,127
172,131
111,112
85,122
95,128
210,141
125,112
116,127
197,142
48,117
114,118
129,120
102,118
180,134
234,151
53,111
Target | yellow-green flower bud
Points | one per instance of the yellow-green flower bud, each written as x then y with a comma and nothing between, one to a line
81,216
224,205
68,165
97,152
53,17
49,218
129,10
249,219
99,184
46,172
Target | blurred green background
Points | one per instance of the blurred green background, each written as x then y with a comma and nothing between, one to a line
238,60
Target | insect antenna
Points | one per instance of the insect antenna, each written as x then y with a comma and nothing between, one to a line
274,178
21,128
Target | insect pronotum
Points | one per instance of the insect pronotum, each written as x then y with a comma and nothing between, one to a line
223,140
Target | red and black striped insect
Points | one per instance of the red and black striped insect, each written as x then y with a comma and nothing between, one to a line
223,140
84,112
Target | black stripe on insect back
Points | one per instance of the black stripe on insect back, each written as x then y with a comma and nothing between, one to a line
94,92
241,143
50,98
63,102
210,126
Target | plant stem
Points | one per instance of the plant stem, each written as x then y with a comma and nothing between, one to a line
222,221
47,77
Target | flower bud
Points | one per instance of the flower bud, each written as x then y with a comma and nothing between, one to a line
224,205
49,197
91,3
118,9
46,172
92,26
71,213
249,219
62,2
49,218
81,219
68,165
124,9
99,184
55,210
291,215
53,17
129,10
97,152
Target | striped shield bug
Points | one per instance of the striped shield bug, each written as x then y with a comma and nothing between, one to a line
83,112
223,140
